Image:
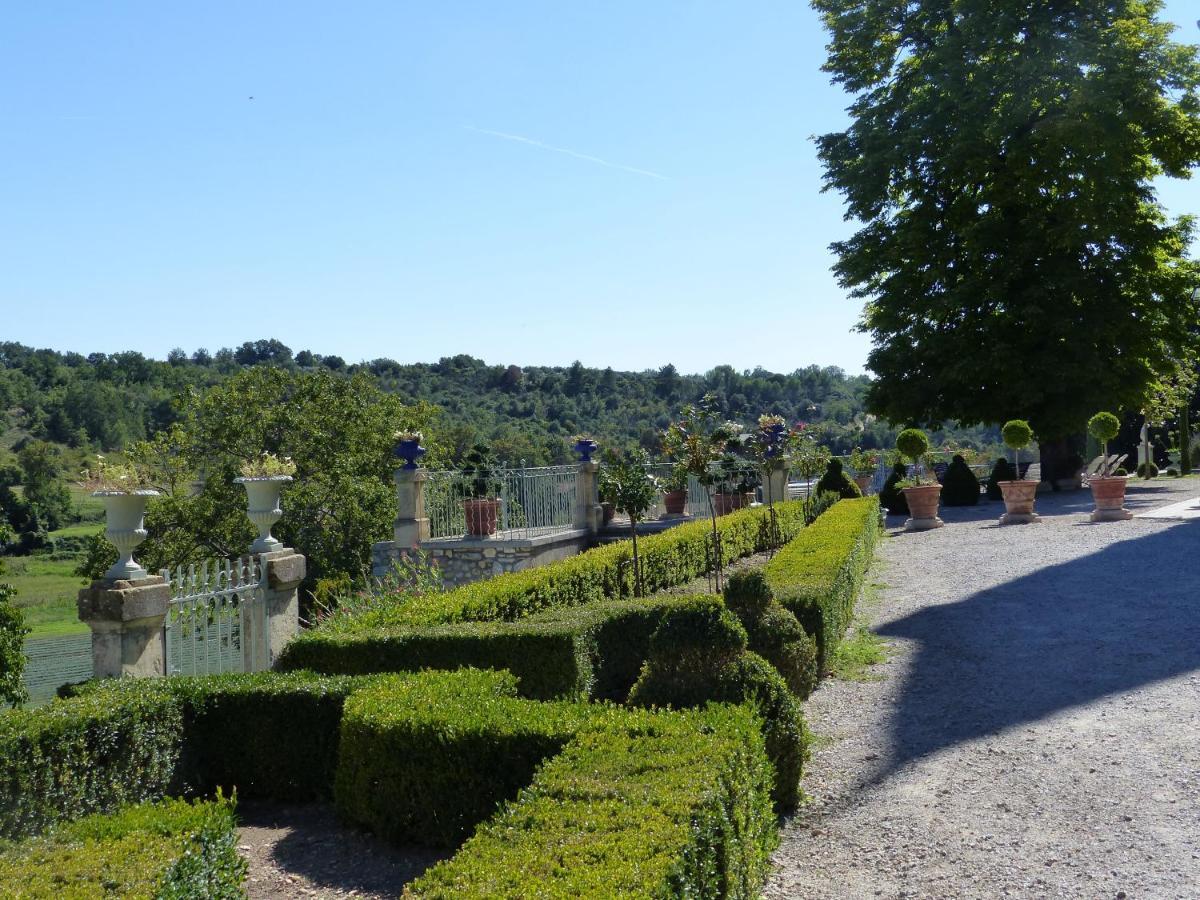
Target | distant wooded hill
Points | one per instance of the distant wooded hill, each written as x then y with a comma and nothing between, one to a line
103,401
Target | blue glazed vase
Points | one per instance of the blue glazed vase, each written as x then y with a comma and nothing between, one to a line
410,452
774,435
585,449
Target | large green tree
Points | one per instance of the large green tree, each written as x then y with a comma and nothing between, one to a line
1000,157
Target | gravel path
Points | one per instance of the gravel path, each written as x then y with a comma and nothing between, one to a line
1036,731
302,850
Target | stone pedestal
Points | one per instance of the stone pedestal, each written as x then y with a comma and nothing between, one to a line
411,525
774,487
1120,514
588,514
925,523
281,607
127,619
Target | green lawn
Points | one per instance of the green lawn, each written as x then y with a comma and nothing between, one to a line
83,529
46,591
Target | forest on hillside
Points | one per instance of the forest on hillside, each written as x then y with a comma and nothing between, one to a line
102,402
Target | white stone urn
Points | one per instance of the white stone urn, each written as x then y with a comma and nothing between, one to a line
124,512
263,509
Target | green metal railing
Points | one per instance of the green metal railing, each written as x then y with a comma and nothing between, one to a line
216,621
533,501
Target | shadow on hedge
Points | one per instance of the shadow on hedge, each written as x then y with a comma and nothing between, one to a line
1057,638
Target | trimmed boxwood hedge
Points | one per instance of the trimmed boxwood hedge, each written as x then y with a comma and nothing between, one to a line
171,849
817,576
668,559
424,758
75,757
639,804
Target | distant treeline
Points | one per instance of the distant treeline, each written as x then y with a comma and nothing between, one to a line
103,401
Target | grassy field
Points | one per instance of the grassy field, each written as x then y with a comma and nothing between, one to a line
46,591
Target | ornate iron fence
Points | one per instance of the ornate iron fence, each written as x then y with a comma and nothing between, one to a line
217,620
533,501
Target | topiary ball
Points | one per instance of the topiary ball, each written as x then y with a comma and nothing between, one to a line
1147,470
774,632
1173,472
960,487
891,497
1017,434
703,626
1003,470
836,481
1104,426
913,443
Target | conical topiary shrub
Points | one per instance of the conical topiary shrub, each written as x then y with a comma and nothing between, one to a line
891,497
960,487
836,481
1002,471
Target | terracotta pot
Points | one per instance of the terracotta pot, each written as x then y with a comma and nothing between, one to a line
1109,496
747,499
676,502
726,503
481,516
1019,497
609,511
863,482
923,502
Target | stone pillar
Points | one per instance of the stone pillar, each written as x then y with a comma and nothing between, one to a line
279,612
411,526
774,488
588,513
127,620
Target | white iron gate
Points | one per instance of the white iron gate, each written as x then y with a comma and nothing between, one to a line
217,620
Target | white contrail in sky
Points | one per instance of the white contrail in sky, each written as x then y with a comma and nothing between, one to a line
543,146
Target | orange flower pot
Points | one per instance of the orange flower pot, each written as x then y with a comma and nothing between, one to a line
1109,497
923,500
1019,497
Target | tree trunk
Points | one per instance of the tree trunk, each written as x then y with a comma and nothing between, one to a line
637,568
1185,440
1055,456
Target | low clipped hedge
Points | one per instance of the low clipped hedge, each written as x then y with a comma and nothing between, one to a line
639,804
87,755
270,734
668,559
171,849
818,574
426,758
591,651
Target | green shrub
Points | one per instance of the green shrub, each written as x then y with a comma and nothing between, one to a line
891,496
12,646
820,502
679,683
427,757
702,629
1173,472
171,850
1003,470
1122,472
638,805
913,443
775,634
836,481
1104,426
1016,434
817,576
668,559
269,734
960,487
85,755
1147,467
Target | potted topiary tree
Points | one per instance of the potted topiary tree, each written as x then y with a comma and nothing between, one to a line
862,464
675,490
1021,493
922,498
482,507
633,489
1108,491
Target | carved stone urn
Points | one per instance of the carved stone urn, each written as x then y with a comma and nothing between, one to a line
262,494
124,514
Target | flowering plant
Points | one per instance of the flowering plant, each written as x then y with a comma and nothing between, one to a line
405,435
113,478
268,465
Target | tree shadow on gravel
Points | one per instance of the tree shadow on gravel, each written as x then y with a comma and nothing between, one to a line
289,844
1057,638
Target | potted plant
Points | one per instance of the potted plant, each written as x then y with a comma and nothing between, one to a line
1021,493
585,446
728,481
1108,491
863,463
675,490
124,490
408,447
606,489
633,489
264,478
922,498
482,507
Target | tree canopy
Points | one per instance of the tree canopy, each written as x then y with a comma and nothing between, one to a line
1014,259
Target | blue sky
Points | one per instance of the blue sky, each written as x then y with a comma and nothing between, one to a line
624,183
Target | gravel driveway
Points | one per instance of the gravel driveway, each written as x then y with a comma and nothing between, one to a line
1036,731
